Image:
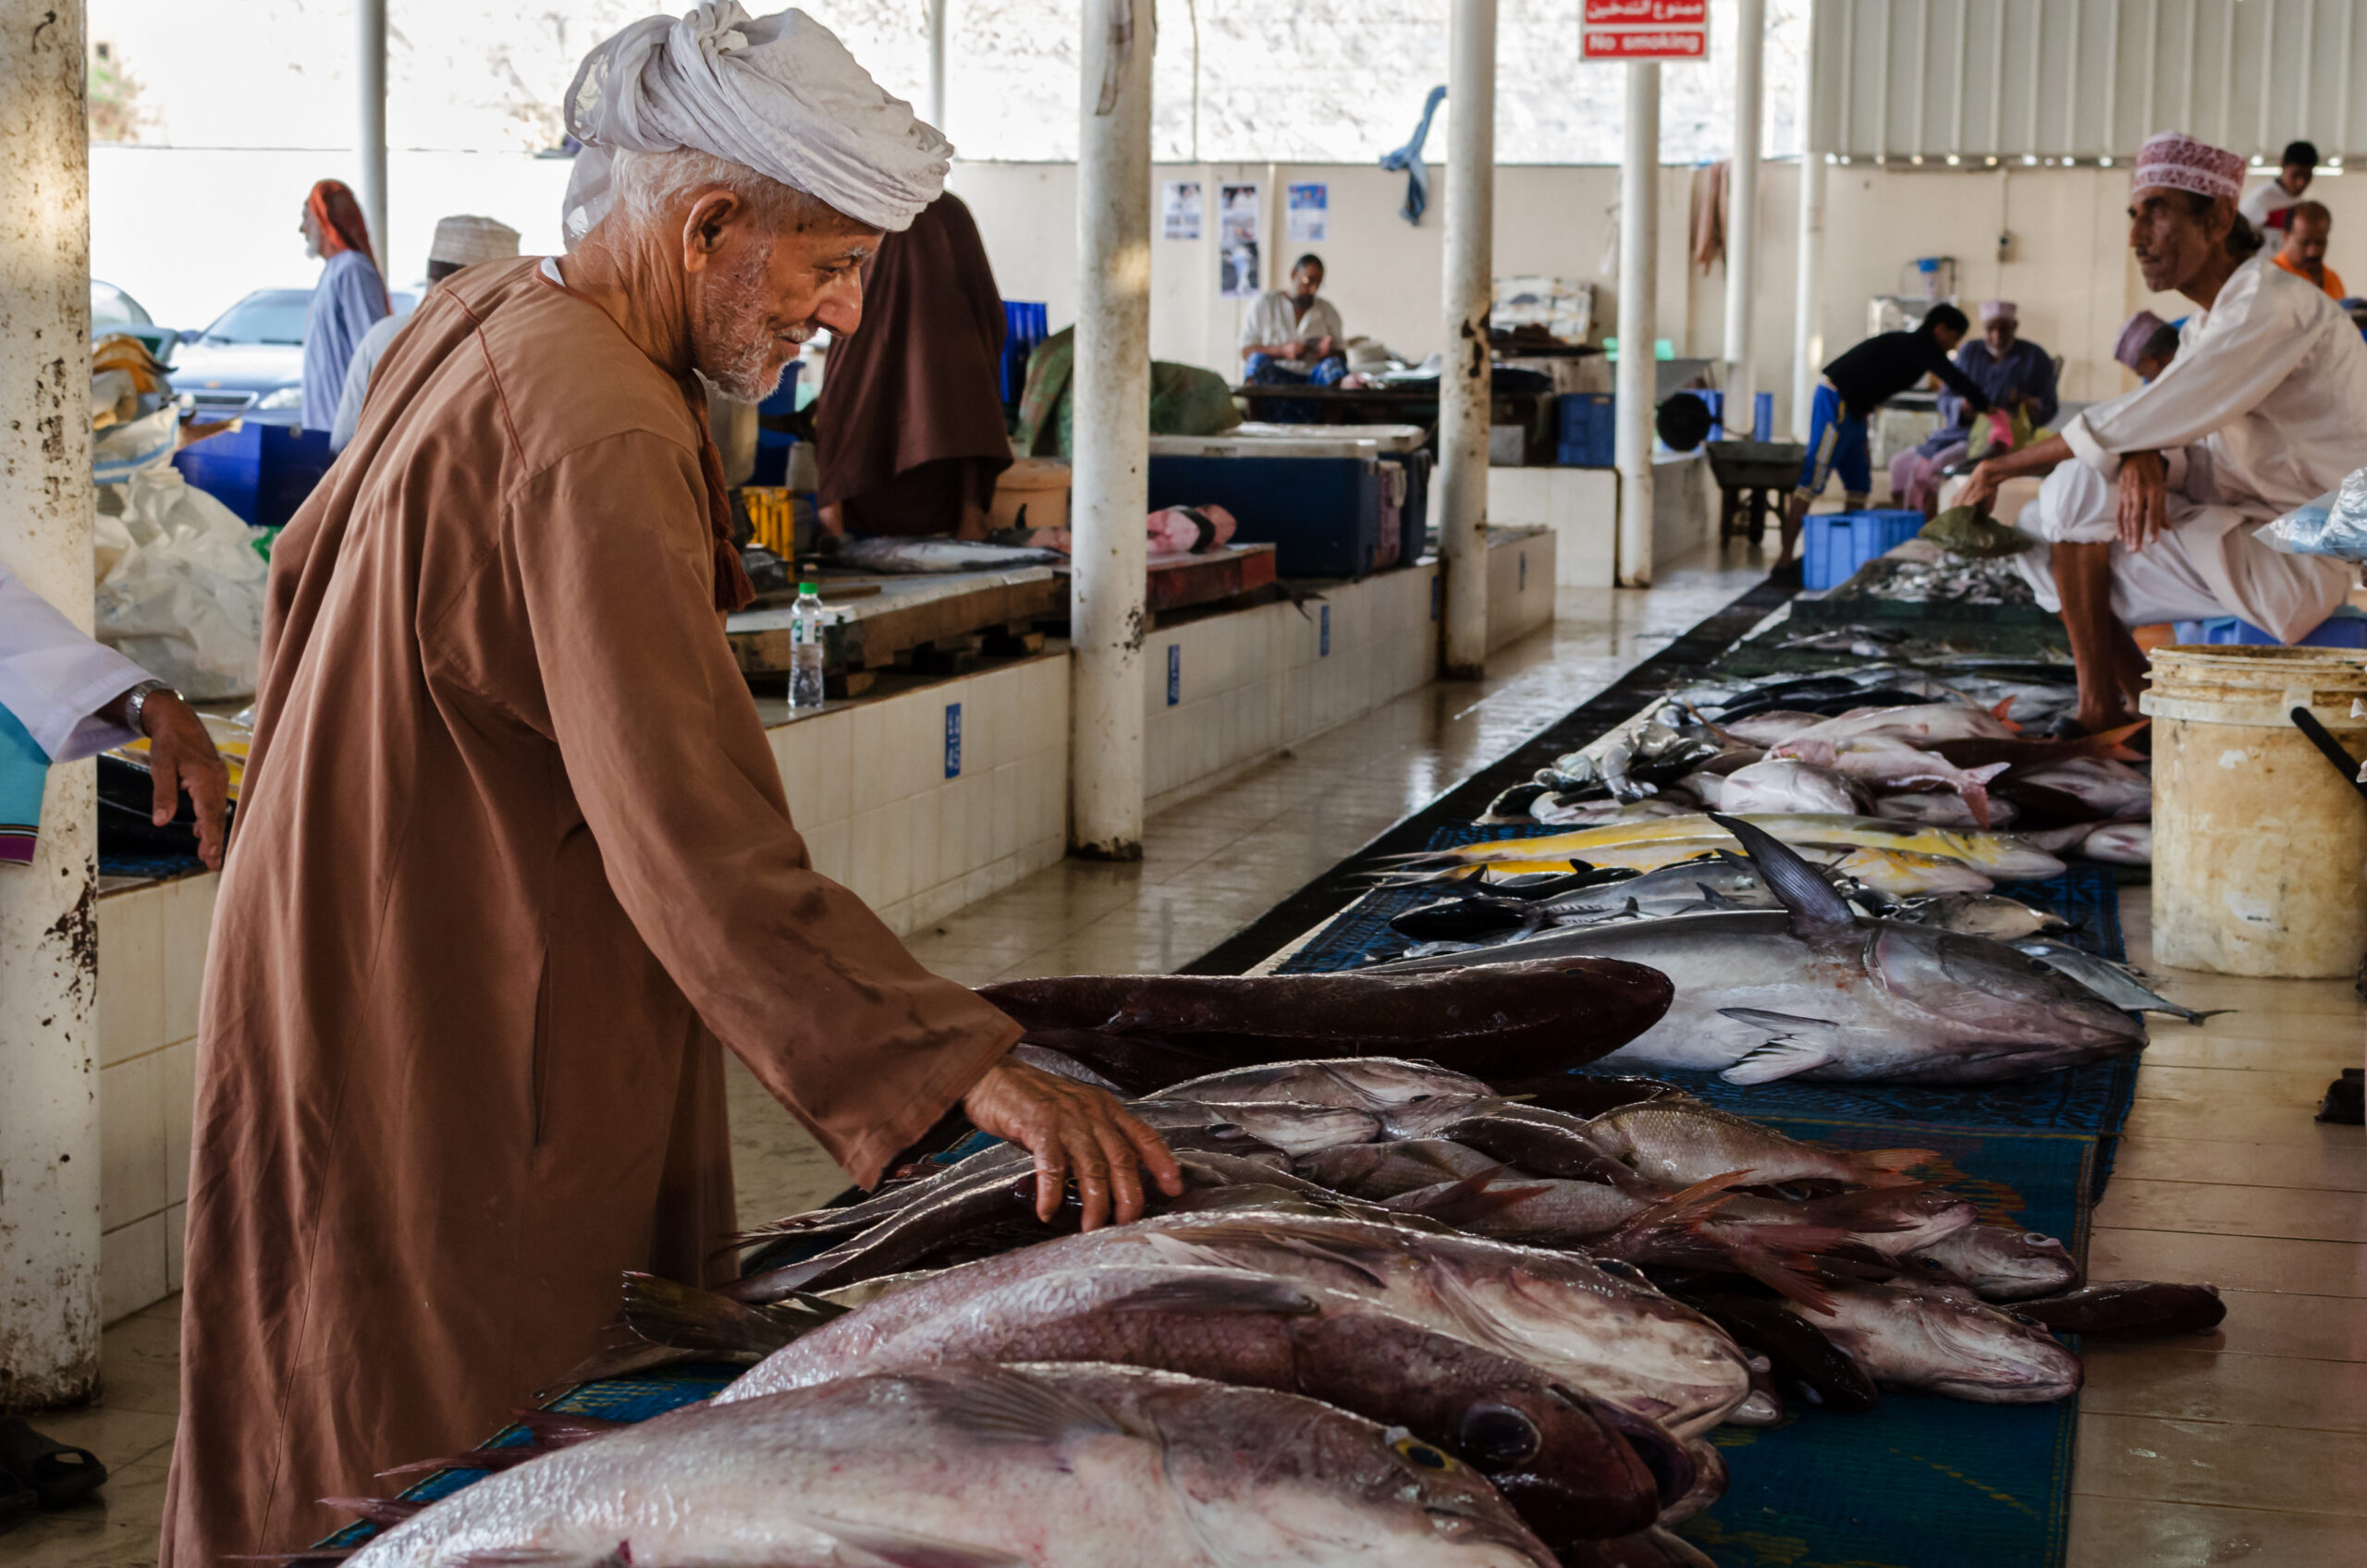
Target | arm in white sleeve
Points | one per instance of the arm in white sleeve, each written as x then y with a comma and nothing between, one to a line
2247,349
54,678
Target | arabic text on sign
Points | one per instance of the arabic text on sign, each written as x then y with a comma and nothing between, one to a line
1647,13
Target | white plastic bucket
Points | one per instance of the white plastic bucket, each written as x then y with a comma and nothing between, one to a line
2260,846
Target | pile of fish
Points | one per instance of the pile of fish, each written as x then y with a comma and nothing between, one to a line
1949,744
1395,1312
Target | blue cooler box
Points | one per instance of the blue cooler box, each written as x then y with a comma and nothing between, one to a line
260,472
1588,434
1834,544
1312,492
2347,628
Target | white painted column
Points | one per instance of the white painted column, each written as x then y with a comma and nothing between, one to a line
1464,382
1639,224
1742,226
370,128
936,62
1807,338
49,1070
1110,478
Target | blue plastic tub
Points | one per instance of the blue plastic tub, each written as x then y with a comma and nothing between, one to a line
1836,544
2347,628
1587,435
1322,515
260,472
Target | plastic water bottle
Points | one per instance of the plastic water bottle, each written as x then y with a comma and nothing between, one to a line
807,619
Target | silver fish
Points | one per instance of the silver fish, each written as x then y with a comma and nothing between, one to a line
2120,843
1942,810
2002,1262
1789,784
2116,982
1294,1129
1370,1083
1942,1340
1678,1141
978,1466
912,555
2113,791
1815,990
1611,1336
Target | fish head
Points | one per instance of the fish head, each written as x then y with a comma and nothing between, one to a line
1902,872
1305,1482
1973,1350
1975,998
2002,1263
1301,1129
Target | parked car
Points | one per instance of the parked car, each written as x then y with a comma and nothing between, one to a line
250,362
114,312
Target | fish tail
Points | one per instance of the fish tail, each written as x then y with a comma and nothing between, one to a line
2000,711
1976,796
684,1317
1792,1275
1465,1203
2112,743
1888,1168
1869,1211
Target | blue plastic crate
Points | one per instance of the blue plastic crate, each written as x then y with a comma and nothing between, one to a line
1836,544
260,472
1322,515
1025,324
2346,627
1587,435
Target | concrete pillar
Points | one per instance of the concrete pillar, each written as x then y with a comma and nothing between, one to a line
1807,339
1464,386
1110,493
370,128
1637,381
1742,226
936,62
49,1070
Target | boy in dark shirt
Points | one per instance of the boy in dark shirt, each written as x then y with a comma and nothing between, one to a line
1856,385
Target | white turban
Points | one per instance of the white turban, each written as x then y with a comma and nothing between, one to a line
778,94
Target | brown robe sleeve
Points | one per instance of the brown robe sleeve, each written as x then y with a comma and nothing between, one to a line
667,762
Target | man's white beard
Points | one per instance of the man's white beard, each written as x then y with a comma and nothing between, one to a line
735,345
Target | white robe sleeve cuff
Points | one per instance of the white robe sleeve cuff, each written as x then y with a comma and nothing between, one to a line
2088,449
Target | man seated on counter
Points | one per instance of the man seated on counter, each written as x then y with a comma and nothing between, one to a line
2264,408
1295,338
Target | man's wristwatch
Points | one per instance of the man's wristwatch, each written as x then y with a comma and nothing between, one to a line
136,700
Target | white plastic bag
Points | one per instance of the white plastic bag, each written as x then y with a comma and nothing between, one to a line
2334,524
181,589
121,450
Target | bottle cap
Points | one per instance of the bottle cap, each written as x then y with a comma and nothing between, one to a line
808,588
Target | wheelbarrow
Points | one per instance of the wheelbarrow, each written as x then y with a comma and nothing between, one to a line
1753,479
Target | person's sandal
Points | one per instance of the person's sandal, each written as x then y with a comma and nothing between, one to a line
58,1475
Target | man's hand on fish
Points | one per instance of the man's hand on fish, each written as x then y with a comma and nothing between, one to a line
2144,500
1074,1130
1980,486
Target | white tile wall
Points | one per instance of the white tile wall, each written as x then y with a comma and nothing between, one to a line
1580,504
1520,582
152,958
867,786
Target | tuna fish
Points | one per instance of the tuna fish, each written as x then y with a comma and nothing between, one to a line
980,1466
1815,990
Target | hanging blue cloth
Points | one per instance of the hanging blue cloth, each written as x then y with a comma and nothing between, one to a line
1409,158
24,768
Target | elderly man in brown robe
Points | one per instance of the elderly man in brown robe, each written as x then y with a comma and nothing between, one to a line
513,856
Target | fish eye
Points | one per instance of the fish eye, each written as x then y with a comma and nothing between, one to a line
2025,1321
1620,1268
1415,1452
2032,1237
1496,1435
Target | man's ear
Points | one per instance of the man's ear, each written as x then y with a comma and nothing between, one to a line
705,226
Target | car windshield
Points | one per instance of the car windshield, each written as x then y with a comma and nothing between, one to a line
269,315
111,306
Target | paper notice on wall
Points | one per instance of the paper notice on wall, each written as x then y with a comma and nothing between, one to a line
1309,213
1180,210
1237,226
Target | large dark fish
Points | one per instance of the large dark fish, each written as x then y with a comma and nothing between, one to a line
1806,1364
1572,1469
1516,1018
2130,1306
982,1467
1816,992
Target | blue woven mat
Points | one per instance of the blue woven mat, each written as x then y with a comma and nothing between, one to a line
634,1398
